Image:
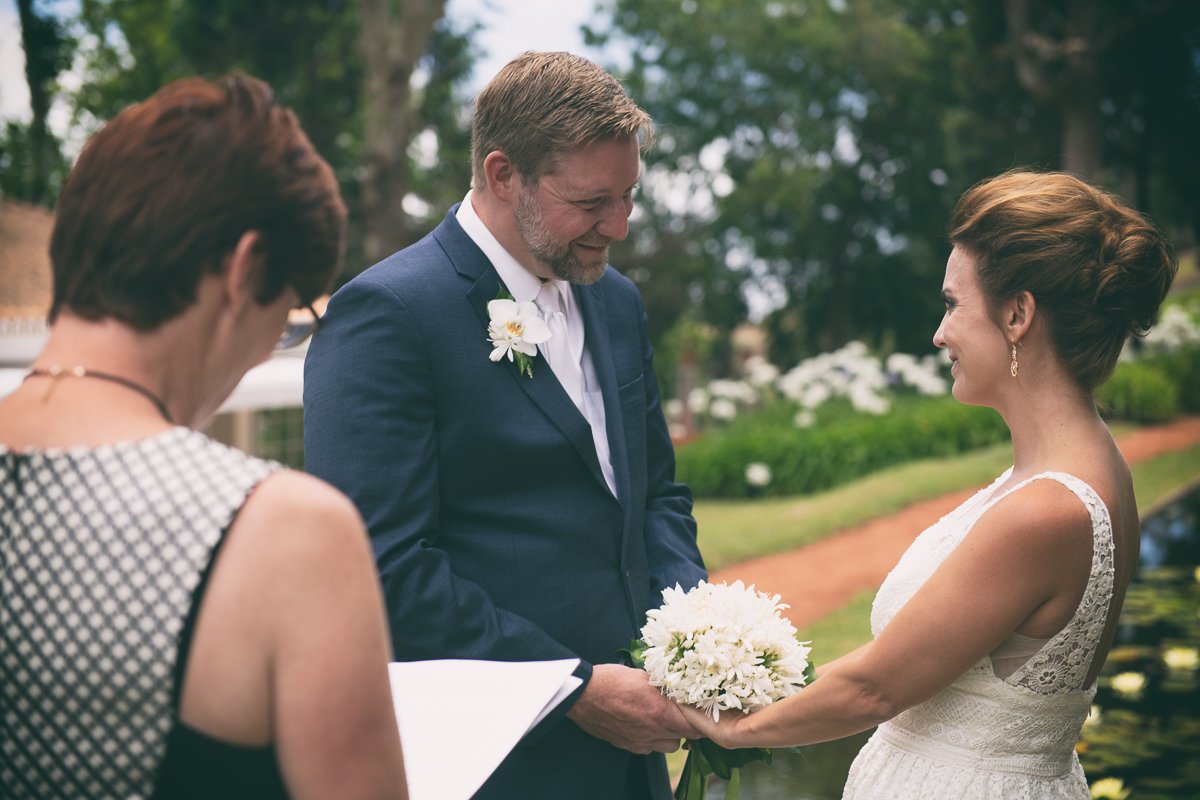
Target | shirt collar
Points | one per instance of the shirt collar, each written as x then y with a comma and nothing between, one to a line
522,284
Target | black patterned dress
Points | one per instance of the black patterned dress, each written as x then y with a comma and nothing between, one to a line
104,554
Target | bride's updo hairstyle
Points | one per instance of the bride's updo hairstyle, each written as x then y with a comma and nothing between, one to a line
1097,269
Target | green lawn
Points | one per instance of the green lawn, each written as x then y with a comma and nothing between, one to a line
1155,482
1159,479
736,530
841,631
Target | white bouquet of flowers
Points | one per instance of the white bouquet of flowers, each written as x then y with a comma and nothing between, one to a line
721,647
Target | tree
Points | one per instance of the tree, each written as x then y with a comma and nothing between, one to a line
390,40
826,140
1066,72
31,162
814,125
1122,80
358,101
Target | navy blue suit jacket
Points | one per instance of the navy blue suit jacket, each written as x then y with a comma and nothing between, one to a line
494,532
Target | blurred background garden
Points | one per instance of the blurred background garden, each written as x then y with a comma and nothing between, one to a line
788,239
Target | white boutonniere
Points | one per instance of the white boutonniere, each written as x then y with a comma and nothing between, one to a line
515,330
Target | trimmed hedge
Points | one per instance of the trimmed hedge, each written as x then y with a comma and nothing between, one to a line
805,460
1139,391
846,445
1183,368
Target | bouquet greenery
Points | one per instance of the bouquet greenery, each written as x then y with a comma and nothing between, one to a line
721,647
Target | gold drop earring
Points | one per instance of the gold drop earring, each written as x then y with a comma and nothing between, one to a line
1014,366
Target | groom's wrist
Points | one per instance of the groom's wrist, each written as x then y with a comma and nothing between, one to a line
584,673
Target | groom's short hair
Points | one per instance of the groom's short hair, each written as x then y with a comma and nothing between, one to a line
541,105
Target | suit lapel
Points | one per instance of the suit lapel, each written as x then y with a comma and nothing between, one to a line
599,346
543,389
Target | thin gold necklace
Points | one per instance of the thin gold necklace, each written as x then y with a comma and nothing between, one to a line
55,372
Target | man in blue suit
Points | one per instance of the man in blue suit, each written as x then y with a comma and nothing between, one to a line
521,509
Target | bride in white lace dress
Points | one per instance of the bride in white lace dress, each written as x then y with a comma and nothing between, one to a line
990,631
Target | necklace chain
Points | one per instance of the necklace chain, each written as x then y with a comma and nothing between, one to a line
55,372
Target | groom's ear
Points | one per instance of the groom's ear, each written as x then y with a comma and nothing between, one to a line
501,176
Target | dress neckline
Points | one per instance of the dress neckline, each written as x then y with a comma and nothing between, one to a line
1074,483
76,450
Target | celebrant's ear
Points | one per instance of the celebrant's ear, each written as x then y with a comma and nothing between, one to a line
502,176
242,269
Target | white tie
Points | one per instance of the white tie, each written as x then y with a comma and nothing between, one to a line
561,352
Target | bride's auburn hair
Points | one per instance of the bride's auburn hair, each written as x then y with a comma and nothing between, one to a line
1098,269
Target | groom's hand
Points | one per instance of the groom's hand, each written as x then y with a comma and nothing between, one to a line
620,706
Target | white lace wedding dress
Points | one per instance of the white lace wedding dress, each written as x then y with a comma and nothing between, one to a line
984,736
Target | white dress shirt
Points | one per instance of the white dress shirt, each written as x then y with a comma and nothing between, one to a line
524,286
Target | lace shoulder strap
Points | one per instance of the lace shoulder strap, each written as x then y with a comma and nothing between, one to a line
1064,661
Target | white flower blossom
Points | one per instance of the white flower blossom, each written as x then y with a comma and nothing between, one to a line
723,647
673,409
804,419
760,372
515,327
737,391
924,375
723,409
865,400
1108,789
697,401
814,395
1181,659
1129,684
1175,329
758,474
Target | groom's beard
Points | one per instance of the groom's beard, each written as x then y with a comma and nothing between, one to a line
554,254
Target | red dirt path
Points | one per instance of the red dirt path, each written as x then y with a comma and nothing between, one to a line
822,577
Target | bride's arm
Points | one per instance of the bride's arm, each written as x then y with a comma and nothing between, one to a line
842,661
1031,552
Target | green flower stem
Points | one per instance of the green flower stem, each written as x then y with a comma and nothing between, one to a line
734,790
693,782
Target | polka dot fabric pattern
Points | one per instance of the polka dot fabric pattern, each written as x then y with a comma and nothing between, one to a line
101,553
984,738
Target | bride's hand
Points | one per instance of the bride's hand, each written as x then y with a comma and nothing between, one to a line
721,733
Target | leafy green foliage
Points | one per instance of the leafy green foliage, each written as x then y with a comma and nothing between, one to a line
308,53
1139,391
820,145
1183,368
32,167
804,460
771,93
22,176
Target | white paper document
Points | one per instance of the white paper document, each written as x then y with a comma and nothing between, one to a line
458,719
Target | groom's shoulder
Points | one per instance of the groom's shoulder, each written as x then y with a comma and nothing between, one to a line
424,265
617,288
615,283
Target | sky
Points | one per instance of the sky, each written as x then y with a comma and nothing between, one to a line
509,27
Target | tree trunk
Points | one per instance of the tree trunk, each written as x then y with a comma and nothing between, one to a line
393,37
1064,72
39,40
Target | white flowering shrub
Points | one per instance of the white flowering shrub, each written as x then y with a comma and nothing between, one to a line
851,373
1176,329
758,474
